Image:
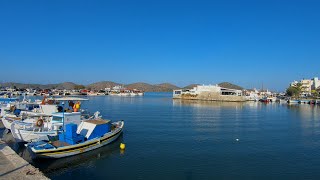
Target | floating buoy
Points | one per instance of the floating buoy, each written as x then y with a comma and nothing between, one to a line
122,146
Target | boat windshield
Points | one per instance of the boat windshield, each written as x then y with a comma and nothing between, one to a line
57,119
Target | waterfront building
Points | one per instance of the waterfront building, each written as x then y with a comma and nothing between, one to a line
316,83
307,85
209,92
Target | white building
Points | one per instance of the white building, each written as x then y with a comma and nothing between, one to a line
208,88
307,85
316,83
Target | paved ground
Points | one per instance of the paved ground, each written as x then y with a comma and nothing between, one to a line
12,166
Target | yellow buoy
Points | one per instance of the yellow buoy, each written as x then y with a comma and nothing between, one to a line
122,146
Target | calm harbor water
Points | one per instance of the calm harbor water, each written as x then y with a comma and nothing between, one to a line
173,139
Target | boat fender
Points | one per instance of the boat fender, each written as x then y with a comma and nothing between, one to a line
39,122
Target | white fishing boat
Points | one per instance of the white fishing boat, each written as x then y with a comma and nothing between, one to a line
8,119
282,101
18,111
293,101
89,135
133,94
46,107
33,129
28,132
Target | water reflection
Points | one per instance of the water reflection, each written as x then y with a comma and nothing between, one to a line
79,161
308,117
306,111
215,104
222,120
169,137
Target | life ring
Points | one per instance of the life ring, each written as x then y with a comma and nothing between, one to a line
39,122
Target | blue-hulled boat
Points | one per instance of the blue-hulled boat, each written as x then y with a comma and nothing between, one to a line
89,135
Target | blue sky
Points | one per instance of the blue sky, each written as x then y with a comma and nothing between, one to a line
249,43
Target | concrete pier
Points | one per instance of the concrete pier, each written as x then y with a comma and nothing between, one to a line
12,166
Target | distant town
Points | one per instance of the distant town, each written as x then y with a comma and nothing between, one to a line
298,91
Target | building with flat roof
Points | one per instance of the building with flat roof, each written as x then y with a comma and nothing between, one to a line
307,85
209,92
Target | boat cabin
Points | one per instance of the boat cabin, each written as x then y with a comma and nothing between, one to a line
94,128
87,130
72,117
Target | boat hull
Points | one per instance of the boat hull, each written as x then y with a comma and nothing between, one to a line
6,123
24,136
293,101
78,148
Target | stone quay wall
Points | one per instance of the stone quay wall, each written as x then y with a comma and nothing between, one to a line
211,96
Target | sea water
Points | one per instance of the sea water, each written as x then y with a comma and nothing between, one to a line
181,139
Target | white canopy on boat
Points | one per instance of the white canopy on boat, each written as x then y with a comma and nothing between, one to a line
70,99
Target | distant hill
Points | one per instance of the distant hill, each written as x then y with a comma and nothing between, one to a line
191,86
65,85
102,85
230,86
142,86
164,87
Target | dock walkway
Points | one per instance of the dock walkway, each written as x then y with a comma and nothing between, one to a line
12,166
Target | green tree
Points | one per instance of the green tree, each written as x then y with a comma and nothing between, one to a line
317,92
295,90
314,93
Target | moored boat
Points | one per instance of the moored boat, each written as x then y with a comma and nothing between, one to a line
265,100
27,132
293,101
43,128
312,102
303,101
89,135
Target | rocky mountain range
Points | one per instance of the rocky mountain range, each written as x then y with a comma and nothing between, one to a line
164,87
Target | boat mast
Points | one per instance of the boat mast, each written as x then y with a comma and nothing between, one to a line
62,116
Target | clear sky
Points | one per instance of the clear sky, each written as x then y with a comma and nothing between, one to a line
248,43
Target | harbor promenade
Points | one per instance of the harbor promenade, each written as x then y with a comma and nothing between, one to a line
12,166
